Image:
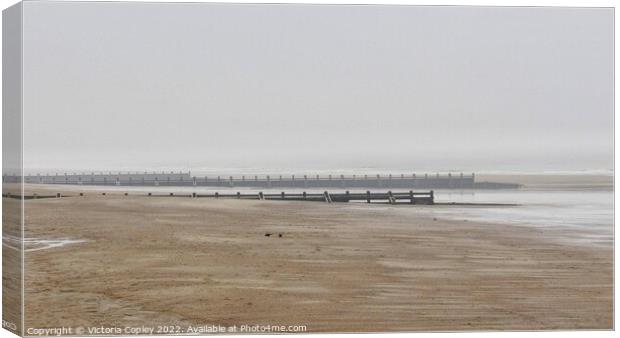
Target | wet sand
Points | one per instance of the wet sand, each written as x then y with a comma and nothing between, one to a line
337,267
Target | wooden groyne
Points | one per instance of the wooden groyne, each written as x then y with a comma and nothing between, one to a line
178,179
408,197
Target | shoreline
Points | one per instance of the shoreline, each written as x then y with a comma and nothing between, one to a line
354,268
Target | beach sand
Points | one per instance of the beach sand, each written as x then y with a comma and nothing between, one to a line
11,264
337,267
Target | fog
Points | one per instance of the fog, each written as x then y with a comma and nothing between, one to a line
145,86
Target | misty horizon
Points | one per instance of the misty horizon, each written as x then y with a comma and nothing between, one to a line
152,86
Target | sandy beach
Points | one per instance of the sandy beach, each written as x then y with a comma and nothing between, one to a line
135,260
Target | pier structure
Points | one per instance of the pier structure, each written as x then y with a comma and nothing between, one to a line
179,179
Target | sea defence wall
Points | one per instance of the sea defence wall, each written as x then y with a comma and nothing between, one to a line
412,181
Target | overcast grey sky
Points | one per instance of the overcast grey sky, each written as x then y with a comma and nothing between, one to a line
150,85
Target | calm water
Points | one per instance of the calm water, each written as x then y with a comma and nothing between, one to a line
586,215
569,207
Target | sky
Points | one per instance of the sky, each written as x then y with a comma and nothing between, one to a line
145,86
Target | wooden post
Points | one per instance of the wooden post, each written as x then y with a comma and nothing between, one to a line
217,194
304,194
193,195
282,195
391,197
171,194
57,195
411,197
260,195
238,194
367,196
347,195
432,197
